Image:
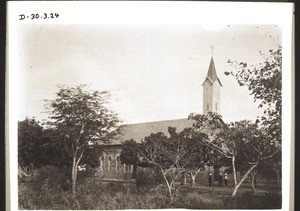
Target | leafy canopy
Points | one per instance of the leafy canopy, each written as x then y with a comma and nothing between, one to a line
264,82
77,109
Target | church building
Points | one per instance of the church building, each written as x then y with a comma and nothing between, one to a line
110,164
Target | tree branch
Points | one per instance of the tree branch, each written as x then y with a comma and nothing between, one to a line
77,162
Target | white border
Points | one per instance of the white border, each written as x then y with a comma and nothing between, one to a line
108,12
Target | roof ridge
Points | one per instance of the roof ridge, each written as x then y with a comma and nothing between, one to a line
167,120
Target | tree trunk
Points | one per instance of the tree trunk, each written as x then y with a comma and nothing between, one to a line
253,180
193,179
234,171
74,170
170,192
74,175
242,180
169,185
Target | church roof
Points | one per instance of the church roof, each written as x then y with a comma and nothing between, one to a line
212,73
139,131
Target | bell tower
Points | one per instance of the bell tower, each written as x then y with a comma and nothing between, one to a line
211,90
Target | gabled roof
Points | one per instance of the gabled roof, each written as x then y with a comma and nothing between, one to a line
139,131
212,73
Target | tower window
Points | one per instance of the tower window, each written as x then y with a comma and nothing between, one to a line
216,107
207,107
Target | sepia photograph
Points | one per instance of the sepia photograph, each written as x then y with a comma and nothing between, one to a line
177,114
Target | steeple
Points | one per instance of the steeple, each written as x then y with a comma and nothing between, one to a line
212,73
211,90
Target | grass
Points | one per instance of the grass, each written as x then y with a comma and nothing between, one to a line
45,190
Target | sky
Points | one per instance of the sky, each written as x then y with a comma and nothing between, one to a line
154,72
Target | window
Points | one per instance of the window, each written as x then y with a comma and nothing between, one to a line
118,163
101,163
207,107
109,163
216,107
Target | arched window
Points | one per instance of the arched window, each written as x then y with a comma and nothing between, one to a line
102,158
109,163
117,163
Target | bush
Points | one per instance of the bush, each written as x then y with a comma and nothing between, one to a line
146,181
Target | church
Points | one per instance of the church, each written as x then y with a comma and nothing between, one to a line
110,165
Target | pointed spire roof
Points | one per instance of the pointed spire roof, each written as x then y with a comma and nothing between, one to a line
212,73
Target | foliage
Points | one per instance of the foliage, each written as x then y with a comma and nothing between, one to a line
168,155
198,154
30,132
242,142
264,82
129,152
38,146
83,121
77,109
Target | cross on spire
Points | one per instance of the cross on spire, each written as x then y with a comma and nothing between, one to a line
212,50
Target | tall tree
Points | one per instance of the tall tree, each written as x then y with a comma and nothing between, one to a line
264,81
82,118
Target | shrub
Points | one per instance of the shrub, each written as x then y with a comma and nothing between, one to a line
146,181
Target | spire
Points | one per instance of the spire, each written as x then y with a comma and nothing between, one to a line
212,74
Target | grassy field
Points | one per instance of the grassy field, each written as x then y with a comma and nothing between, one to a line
43,192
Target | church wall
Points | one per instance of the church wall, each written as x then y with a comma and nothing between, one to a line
111,169
110,165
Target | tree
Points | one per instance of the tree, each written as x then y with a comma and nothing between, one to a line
264,81
251,147
129,154
241,142
168,155
83,120
30,132
198,155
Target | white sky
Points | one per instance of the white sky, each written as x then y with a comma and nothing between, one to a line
154,72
